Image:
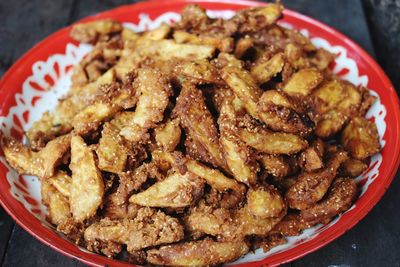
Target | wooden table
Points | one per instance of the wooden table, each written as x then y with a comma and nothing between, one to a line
375,241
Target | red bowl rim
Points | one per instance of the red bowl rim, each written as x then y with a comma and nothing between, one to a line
291,254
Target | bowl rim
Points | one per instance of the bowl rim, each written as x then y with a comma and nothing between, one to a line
291,254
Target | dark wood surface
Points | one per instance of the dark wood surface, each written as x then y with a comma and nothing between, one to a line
374,24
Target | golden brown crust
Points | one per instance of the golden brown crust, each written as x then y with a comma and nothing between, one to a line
42,163
197,253
311,187
175,191
360,138
196,119
87,188
339,198
149,228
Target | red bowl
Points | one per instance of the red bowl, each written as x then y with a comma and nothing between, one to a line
33,84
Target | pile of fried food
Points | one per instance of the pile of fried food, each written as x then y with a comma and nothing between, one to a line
195,143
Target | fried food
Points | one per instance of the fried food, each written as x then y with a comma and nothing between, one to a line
42,163
62,182
264,71
90,32
153,91
272,142
192,143
168,135
87,187
360,138
277,165
228,225
149,228
197,120
57,203
309,188
303,82
265,202
175,191
284,113
339,198
239,158
352,168
197,253
56,123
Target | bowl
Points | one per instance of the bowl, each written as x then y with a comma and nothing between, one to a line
41,76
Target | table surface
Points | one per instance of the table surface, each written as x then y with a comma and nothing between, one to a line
373,24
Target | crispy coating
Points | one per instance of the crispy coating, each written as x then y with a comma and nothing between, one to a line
332,104
57,204
90,32
168,49
244,87
42,163
222,44
62,182
56,123
87,186
111,151
312,159
360,138
264,71
303,82
272,142
197,120
205,252
277,165
175,191
116,203
265,202
228,225
352,168
213,177
257,18
168,135
339,198
153,91
291,225
309,188
240,159
279,110
148,228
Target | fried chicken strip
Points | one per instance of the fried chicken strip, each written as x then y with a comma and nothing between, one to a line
42,163
197,253
148,228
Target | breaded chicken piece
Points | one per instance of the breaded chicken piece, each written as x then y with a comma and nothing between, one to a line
270,142
284,113
59,122
239,157
199,125
116,204
57,204
197,253
90,32
42,163
228,224
360,138
340,197
153,92
87,188
149,228
175,191
309,188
